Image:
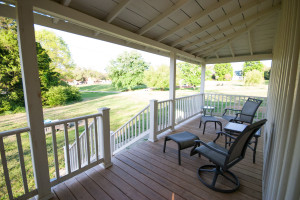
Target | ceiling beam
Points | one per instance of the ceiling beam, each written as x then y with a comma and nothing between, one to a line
231,50
162,16
217,55
230,37
248,19
217,21
250,42
73,16
193,19
93,31
66,2
239,58
116,11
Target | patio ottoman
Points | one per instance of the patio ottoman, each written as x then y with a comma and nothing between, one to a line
184,140
206,119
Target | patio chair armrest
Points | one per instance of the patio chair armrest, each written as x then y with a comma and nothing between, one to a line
226,134
211,148
230,109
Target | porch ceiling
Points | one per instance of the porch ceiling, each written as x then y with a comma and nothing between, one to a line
197,31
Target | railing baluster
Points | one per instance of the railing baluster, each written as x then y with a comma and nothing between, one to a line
143,114
132,135
67,147
22,163
78,145
5,169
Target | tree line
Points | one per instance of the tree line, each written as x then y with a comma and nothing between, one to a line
129,71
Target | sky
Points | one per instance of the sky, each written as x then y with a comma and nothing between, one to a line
96,54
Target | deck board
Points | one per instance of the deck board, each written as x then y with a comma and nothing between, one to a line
143,171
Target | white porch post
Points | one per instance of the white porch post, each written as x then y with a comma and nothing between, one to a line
104,127
32,96
172,90
202,86
153,121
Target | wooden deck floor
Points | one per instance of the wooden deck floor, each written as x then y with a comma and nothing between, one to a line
144,172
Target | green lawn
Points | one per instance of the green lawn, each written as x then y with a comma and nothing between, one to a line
100,87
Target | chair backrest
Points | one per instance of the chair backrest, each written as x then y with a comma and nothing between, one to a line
249,109
238,149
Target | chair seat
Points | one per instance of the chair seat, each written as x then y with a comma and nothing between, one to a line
215,157
228,118
184,139
209,119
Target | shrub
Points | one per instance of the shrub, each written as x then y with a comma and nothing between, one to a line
267,74
253,77
60,95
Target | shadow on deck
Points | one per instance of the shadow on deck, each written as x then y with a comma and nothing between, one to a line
143,171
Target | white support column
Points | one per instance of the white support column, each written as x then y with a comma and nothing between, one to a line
202,86
32,96
104,126
172,90
153,120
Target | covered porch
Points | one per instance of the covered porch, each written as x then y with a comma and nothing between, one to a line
202,33
143,171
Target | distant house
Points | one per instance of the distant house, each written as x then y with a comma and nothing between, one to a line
237,75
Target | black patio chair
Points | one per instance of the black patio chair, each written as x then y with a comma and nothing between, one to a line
224,159
246,115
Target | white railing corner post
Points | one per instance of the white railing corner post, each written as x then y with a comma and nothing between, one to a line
202,86
172,114
153,120
105,142
172,90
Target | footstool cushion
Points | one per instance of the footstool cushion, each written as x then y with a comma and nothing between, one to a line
184,140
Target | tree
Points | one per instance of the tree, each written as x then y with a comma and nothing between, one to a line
223,72
58,51
253,65
127,70
191,73
157,78
11,89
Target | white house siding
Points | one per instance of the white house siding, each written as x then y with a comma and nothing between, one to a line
281,177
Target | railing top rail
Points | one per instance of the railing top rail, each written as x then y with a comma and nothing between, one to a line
14,131
188,96
235,95
26,129
132,118
72,119
164,101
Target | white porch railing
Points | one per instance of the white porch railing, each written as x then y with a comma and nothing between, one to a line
187,107
222,101
95,144
134,129
88,150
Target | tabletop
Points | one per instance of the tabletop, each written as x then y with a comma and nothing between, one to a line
235,127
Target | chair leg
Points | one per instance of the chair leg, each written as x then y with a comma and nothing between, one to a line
254,150
165,142
200,123
215,125
220,125
204,127
179,157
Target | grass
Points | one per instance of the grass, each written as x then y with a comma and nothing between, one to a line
122,106
100,87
